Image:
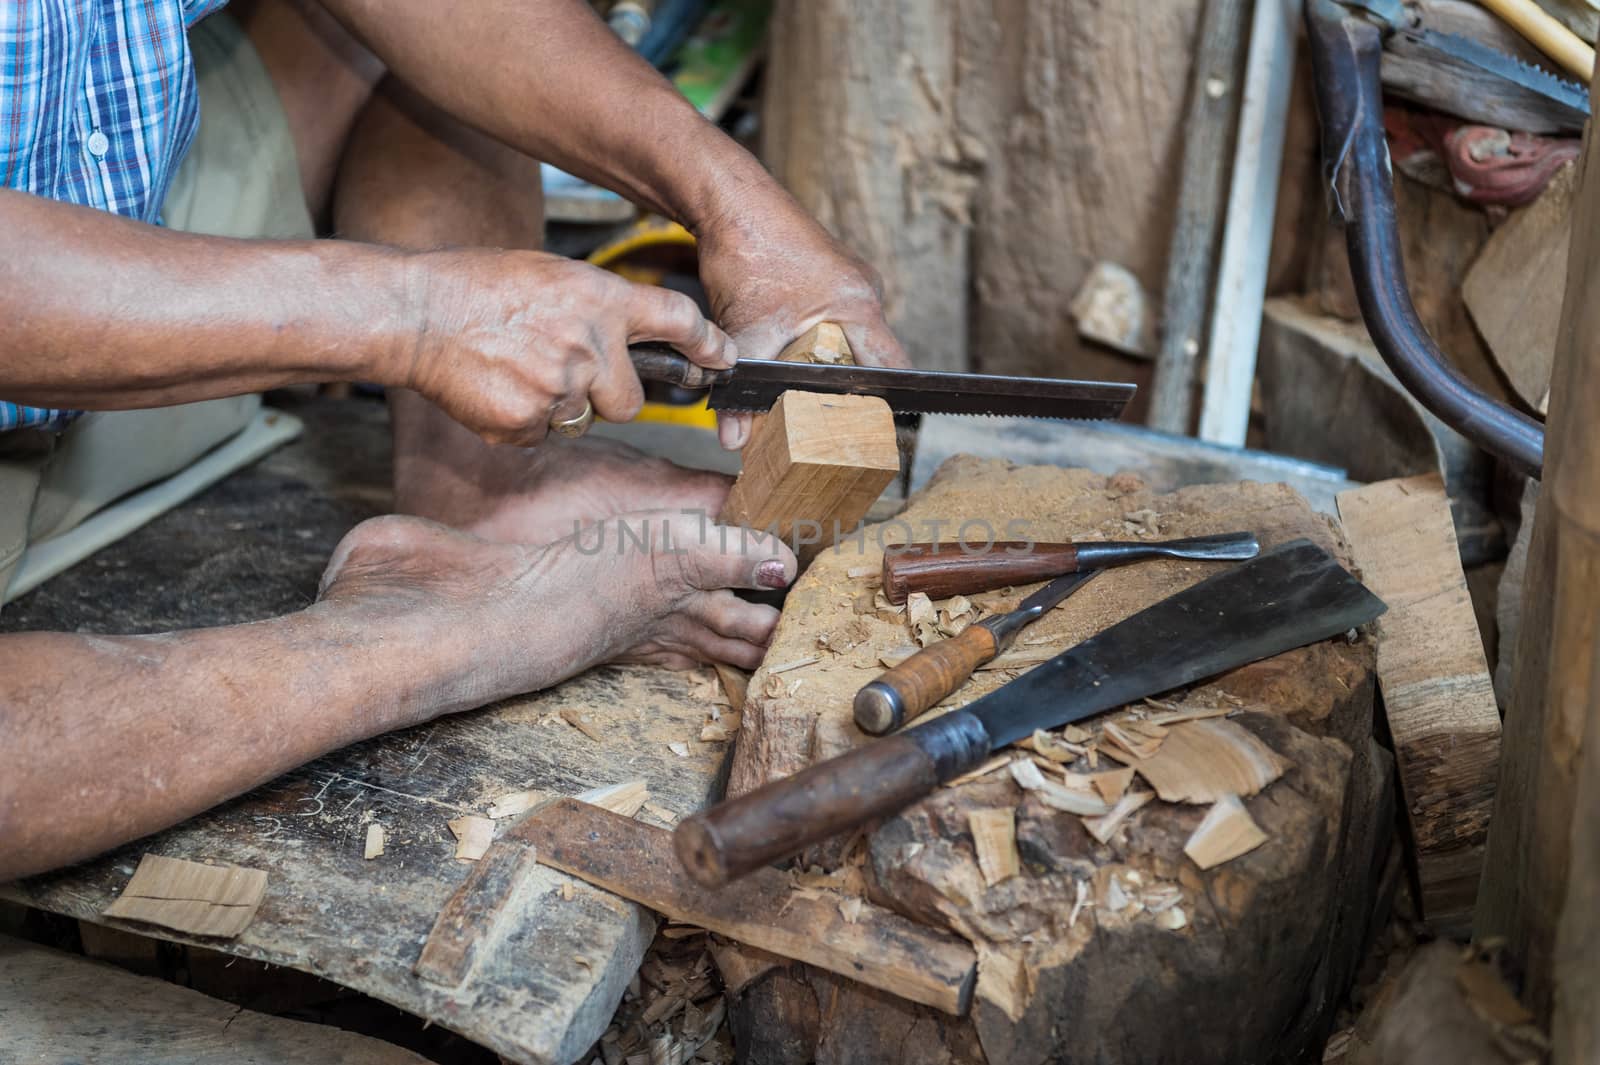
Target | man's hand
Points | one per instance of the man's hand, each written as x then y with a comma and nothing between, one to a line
771,280
507,341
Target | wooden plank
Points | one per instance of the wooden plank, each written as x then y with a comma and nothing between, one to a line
470,914
57,1008
878,948
1514,288
205,900
813,468
1241,287
1437,692
1208,129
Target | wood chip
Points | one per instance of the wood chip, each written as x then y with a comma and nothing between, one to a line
1226,832
1131,739
1055,749
1078,903
1076,734
920,610
1174,715
580,721
204,900
1112,783
1055,795
850,909
661,813
881,604
1105,827
736,683
994,836
1172,920
855,573
513,803
623,799
679,749
999,761
721,730
374,846
1201,761
473,836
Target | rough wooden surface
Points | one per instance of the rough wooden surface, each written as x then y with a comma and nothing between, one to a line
1055,122
57,1009
1514,288
765,910
1437,694
363,923
1267,941
1552,710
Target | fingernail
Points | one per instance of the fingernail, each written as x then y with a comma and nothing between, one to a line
770,574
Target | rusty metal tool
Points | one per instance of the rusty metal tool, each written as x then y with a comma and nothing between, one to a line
925,679
942,570
1289,597
756,384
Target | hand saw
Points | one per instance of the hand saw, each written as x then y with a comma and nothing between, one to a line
1434,55
756,384
1286,598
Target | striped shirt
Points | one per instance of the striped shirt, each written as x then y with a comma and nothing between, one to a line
97,107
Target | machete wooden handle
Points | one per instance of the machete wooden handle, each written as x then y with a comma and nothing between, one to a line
786,816
942,570
923,681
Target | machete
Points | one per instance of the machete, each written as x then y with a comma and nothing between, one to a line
756,384
1286,598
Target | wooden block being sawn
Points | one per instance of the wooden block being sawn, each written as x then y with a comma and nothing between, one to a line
816,463
1437,693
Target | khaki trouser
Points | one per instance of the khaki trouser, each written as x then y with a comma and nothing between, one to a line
240,179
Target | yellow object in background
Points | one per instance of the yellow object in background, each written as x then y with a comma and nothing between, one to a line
645,253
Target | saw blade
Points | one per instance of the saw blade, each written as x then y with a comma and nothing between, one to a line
755,385
1475,53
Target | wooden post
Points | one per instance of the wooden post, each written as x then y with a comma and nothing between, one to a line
1543,852
815,464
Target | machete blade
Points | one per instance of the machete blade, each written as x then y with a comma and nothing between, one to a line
1286,598
756,384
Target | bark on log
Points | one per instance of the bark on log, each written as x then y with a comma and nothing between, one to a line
1266,943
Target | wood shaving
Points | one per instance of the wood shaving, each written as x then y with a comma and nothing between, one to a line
799,663
1078,903
721,730
623,799
1162,897
1076,734
1055,749
204,900
893,657
661,813
920,610
999,761
1201,761
1135,738
1105,827
856,573
850,909
1226,832
1145,522
1177,714
374,844
925,633
880,603
1112,783
473,836
515,802
567,891
1055,795
680,749
994,837
1172,920
735,685
580,721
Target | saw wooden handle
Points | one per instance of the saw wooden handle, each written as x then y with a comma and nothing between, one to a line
785,816
942,570
923,681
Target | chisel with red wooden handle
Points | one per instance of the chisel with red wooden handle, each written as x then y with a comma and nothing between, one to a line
942,570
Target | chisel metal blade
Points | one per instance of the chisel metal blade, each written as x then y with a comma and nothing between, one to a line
756,384
1286,598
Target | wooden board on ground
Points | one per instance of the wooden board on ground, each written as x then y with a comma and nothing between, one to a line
1115,951
766,910
362,923
57,1008
1437,692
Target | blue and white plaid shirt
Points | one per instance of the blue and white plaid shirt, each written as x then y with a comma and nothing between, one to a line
97,107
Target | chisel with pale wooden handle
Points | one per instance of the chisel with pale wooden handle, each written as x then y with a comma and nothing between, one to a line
942,570
924,680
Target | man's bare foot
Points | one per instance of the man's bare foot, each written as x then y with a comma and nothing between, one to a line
543,494
506,618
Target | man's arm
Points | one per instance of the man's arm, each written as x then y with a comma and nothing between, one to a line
549,78
101,312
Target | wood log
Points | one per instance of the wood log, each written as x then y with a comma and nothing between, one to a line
1066,971
55,1007
1437,693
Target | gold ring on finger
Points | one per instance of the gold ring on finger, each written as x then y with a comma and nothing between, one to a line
574,426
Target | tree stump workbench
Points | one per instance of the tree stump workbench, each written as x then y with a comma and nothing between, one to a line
1075,966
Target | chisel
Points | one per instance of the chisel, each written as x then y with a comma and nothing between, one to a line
923,681
1289,597
942,570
